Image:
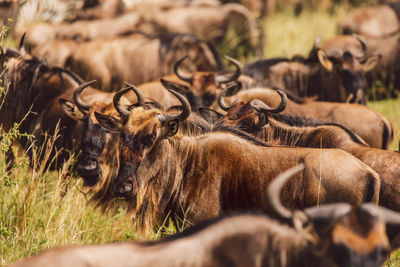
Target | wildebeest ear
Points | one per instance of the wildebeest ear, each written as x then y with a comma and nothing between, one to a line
108,122
324,60
209,114
371,63
71,110
171,128
180,88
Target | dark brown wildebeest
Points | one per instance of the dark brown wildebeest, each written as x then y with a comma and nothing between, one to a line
31,100
201,88
98,162
255,117
111,61
162,170
337,78
388,66
328,235
371,126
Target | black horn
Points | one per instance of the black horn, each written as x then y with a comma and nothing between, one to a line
77,96
262,107
179,74
228,91
222,79
123,111
363,46
185,109
139,95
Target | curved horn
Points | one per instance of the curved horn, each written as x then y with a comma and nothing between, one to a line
230,91
73,75
123,111
185,109
328,212
21,42
77,98
221,79
388,216
139,95
363,46
274,191
262,107
177,72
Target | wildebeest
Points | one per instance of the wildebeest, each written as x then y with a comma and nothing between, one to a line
371,126
328,235
378,21
162,170
31,101
201,88
133,58
338,77
230,24
45,34
101,9
388,66
255,117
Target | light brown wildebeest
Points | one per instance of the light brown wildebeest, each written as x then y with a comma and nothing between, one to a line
111,61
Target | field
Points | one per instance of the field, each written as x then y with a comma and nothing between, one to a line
40,209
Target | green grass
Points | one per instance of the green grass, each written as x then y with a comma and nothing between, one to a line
288,35
41,209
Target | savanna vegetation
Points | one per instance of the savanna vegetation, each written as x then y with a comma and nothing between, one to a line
41,209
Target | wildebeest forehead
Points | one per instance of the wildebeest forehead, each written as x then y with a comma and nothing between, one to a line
240,110
361,233
140,119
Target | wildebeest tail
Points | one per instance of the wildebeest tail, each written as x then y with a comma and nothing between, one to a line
373,187
387,133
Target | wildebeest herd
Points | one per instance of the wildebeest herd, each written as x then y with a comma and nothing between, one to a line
288,140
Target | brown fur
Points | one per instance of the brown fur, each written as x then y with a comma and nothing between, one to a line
37,99
240,240
324,135
370,125
343,80
169,180
110,61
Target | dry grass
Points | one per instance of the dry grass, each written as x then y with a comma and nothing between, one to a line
40,209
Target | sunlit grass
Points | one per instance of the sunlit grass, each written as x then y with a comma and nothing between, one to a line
288,35
40,210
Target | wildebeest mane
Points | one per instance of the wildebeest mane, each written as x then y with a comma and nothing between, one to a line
298,121
220,127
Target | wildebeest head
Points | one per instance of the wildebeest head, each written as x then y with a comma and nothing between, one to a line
348,68
250,117
139,129
203,86
344,235
94,137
